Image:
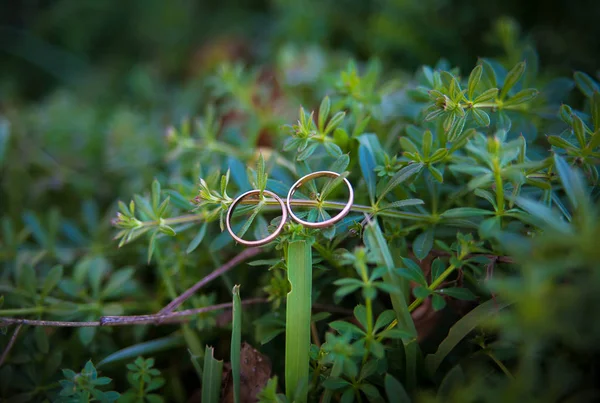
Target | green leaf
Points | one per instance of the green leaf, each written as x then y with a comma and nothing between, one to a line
453,379
395,334
427,143
52,279
4,137
423,244
436,173
116,282
86,335
595,110
401,176
464,212
544,214
572,182
438,302
521,97
384,319
460,330
394,390
236,343
333,183
481,117
197,239
155,196
458,293
512,77
33,224
367,166
334,383
332,149
334,122
457,128
559,142
421,292
369,390
586,84
413,272
407,145
340,164
486,96
151,245
250,219
211,377
324,112
308,151
402,203
474,79
437,268
579,130
261,174
41,339
26,279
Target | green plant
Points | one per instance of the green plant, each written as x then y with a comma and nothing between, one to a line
84,386
466,270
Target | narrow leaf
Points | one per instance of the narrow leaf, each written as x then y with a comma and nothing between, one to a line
236,343
423,244
461,329
197,239
298,313
395,391
211,377
147,348
512,77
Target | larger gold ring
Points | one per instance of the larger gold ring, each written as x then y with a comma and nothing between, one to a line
261,241
331,221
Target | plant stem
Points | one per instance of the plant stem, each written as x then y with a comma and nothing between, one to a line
10,344
435,284
499,187
297,326
501,365
431,287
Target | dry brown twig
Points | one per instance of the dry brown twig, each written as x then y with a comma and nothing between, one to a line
165,315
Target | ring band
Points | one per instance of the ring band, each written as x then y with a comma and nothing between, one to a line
267,239
331,221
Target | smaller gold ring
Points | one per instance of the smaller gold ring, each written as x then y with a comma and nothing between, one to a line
267,239
331,221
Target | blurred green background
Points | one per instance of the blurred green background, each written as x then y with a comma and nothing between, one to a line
84,82
49,43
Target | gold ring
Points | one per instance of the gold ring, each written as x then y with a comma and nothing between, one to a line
331,221
267,239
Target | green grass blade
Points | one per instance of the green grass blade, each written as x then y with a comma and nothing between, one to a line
211,377
376,243
236,343
297,327
460,330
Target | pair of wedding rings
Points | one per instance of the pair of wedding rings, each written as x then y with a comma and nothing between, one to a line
286,207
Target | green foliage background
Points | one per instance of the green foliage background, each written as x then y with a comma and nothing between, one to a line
99,100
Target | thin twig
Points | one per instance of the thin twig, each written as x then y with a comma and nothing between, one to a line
246,254
181,316
10,344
